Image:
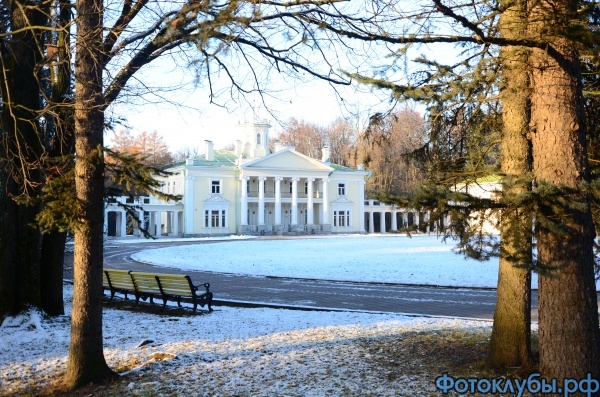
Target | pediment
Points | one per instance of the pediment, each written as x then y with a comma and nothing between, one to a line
342,200
287,159
216,198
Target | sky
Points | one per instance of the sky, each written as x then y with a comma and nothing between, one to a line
195,119
164,96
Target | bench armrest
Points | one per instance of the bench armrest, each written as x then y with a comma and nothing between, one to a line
205,285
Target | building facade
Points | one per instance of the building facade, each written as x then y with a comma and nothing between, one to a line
251,190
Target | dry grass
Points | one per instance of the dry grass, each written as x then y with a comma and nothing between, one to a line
418,356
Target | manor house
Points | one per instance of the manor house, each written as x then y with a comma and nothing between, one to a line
251,190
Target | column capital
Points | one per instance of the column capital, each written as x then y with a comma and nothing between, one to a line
190,177
296,178
325,179
310,179
244,177
262,178
278,178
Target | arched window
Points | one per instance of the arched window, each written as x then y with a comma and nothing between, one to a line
258,139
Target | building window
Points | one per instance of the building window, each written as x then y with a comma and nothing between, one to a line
341,189
341,218
258,139
291,190
306,187
215,187
214,218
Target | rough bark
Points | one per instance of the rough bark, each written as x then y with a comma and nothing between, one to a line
60,143
510,344
568,312
21,151
86,358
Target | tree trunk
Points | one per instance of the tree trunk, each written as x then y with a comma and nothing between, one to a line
568,309
86,358
21,152
510,344
52,269
61,143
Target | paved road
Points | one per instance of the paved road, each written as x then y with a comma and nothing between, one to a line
369,297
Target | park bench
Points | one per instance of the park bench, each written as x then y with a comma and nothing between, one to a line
177,287
117,281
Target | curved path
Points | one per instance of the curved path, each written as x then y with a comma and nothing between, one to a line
231,289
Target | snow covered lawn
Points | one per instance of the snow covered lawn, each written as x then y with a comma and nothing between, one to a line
393,259
230,352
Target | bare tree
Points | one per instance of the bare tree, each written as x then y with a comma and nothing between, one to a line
307,138
150,146
386,147
342,140
186,153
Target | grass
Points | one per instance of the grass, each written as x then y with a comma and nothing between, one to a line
419,356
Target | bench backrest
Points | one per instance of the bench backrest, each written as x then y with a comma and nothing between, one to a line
120,279
145,282
176,284
172,284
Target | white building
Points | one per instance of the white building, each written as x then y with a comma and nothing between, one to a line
252,190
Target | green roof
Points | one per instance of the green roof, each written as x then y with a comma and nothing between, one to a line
222,158
338,167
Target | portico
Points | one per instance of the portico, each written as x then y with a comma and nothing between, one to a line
277,199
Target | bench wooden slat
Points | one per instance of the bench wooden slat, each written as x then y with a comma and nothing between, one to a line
117,280
178,287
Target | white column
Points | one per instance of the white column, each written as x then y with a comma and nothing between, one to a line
416,220
405,219
123,223
261,200
244,201
361,207
325,202
278,200
141,223
394,221
371,222
295,201
158,223
309,206
105,232
188,205
176,223
382,222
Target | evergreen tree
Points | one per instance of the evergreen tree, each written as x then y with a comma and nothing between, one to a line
510,344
